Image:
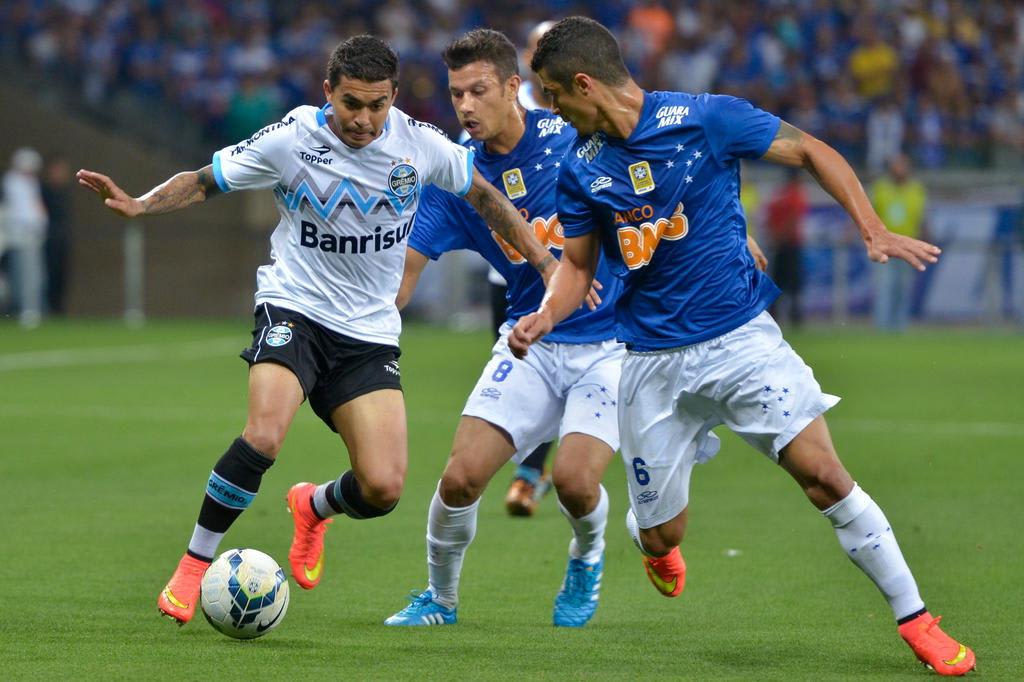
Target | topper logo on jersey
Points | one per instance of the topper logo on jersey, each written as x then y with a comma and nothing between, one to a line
670,116
550,126
549,233
319,159
348,193
637,243
515,187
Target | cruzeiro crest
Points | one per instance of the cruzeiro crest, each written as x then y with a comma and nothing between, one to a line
403,180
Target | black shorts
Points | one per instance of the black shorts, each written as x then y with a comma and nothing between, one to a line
332,368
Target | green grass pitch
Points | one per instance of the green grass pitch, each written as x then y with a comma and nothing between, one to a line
107,436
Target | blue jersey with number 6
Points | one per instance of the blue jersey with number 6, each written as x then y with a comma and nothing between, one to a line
665,203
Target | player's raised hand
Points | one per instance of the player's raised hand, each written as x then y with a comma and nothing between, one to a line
883,245
115,198
528,329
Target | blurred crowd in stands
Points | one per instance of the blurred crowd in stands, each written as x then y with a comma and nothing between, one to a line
943,79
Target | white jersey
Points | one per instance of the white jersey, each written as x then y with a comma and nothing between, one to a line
339,249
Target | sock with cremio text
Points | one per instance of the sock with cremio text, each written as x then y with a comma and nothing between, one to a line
867,538
230,490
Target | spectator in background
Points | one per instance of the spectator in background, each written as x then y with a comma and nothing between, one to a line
251,107
56,191
784,224
900,200
885,130
26,230
873,63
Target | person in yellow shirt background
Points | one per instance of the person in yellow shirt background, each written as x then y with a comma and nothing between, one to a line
900,200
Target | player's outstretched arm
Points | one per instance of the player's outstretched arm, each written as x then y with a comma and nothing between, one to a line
502,217
414,264
183,189
569,285
793,147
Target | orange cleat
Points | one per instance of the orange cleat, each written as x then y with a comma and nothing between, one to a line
667,573
935,648
179,598
306,555
520,499
524,493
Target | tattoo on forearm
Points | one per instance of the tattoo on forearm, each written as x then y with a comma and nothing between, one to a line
789,136
503,218
180,191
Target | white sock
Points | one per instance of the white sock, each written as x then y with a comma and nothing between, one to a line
868,540
205,542
320,504
588,531
449,532
634,532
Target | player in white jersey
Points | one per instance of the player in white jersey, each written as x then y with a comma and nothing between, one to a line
346,179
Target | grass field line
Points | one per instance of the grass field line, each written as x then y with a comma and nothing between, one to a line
105,355
121,413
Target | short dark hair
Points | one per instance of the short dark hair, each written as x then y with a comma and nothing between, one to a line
483,44
579,45
366,58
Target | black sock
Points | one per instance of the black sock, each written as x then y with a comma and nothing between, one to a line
345,498
232,486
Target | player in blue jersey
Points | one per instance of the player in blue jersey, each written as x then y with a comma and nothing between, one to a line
567,389
653,184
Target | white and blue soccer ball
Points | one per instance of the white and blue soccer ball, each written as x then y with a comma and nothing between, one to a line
244,594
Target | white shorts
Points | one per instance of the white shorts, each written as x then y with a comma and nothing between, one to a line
559,388
749,379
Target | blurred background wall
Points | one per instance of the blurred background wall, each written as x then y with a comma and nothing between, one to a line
141,89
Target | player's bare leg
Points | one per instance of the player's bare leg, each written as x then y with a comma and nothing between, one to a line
868,540
579,467
373,428
274,397
479,450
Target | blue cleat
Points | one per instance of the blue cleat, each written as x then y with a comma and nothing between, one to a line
577,600
423,610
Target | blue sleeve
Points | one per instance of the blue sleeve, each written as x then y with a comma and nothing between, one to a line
573,212
736,129
441,223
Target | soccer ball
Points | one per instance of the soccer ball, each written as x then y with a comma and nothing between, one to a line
244,594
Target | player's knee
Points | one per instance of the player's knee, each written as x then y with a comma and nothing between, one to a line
826,483
459,487
383,492
264,438
578,494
